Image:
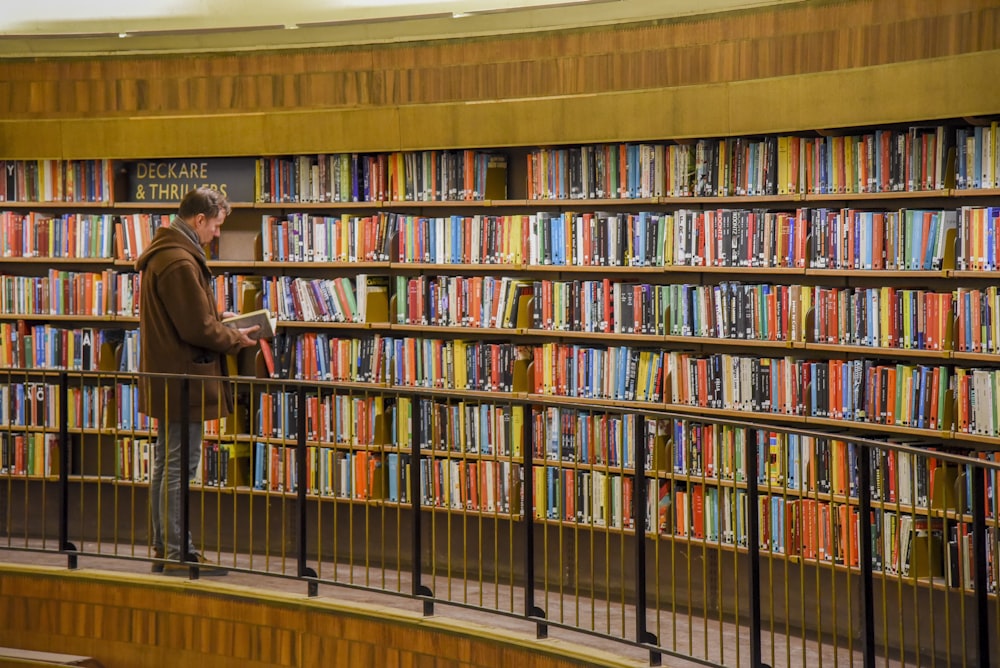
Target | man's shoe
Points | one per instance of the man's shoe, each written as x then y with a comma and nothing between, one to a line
157,566
205,568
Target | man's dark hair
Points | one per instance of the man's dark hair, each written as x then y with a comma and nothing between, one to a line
203,200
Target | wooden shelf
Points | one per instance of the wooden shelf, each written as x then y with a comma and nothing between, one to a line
57,317
432,267
302,324
879,273
878,352
986,358
316,206
861,197
55,205
49,261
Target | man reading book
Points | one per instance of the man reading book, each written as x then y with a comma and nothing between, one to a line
182,333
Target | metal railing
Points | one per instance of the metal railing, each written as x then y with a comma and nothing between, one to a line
724,542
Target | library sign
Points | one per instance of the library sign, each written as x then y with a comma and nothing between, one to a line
170,180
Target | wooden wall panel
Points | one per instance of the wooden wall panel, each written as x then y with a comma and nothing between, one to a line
921,90
129,620
789,40
795,67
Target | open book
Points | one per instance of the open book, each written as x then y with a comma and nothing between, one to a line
268,323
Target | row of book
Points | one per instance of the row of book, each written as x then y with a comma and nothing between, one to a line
460,301
617,373
484,429
789,466
964,320
855,390
860,390
340,299
70,235
403,362
88,406
133,459
326,417
301,237
412,176
883,317
134,232
977,160
483,486
56,181
913,239
29,454
59,293
913,159
336,177
127,413
50,347
435,176
910,239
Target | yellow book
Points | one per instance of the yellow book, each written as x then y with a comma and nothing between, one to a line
459,352
516,431
541,502
642,377
548,350
804,307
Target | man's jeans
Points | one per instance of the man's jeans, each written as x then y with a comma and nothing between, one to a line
164,493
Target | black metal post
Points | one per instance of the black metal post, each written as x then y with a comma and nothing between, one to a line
185,422
979,567
419,590
528,522
64,544
865,553
302,485
753,547
639,496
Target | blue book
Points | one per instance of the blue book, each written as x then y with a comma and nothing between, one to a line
793,462
485,444
925,381
967,307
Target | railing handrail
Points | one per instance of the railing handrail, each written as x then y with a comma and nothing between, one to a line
644,639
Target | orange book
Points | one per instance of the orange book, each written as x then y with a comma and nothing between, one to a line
698,510
890,396
361,488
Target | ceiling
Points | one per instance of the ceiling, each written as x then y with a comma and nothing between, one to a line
72,27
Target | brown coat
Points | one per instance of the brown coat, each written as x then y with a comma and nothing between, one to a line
180,331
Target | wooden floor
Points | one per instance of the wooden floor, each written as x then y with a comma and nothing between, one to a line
713,641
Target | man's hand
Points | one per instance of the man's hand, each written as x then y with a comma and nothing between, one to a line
228,314
245,341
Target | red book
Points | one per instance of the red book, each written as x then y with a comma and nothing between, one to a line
698,510
267,354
